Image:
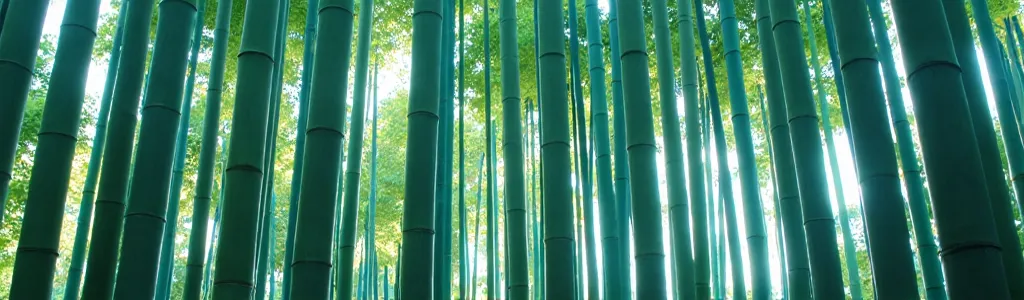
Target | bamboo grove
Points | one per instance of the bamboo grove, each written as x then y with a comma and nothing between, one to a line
594,149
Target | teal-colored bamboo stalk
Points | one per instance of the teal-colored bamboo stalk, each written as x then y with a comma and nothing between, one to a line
757,237
913,183
849,248
166,270
724,176
309,39
84,224
621,163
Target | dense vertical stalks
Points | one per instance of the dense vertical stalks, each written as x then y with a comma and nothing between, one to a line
650,254
515,186
819,224
418,221
927,251
582,155
555,180
995,179
207,156
245,166
675,176
309,39
354,160
777,208
695,167
612,275
892,259
84,224
113,188
968,237
757,237
721,150
145,219
36,259
17,62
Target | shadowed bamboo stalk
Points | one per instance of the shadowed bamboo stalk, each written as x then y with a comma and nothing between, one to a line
892,260
417,222
85,211
17,62
36,259
927,251
819,223
995,182
117,157
236,255
147,200
968,236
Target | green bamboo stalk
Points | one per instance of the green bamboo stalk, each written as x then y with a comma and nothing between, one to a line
148,194
946,132
350,209
892,258
621,166
721,150
684,284
442,202
777,209
476,238
17,62
117,157
491,194
165,272
927,251
642,152
849,249
578,255
788,208
819,222
373,176
213,239
493,232
757,238
538,218
555,180
833,54
273,250
512,148
1014,150
84,224
242,190
268,209
698,195
207,157
583,177
999,195
3,12
1014,70
300,141
417,223
35,261
613,285
463,230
